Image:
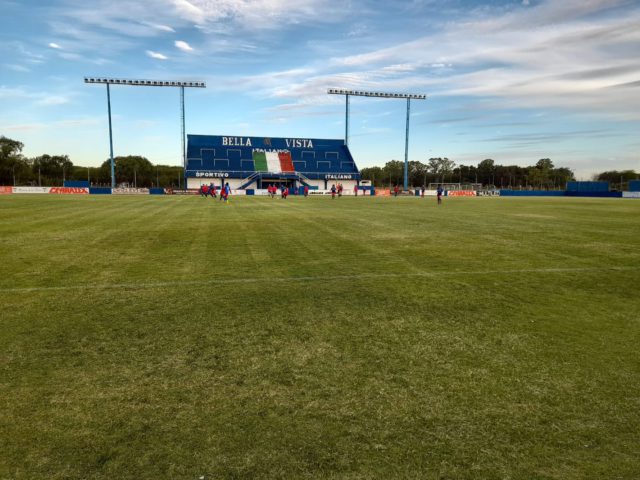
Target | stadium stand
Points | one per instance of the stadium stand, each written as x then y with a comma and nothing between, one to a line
254,162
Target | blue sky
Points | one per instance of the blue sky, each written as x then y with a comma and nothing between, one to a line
510,80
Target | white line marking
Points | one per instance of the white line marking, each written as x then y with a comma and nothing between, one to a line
362,276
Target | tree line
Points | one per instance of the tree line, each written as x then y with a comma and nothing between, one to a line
544,174
53,170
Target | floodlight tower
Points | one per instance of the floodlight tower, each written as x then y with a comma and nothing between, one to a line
145,83
358,93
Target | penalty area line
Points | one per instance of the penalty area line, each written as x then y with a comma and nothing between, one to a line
314,278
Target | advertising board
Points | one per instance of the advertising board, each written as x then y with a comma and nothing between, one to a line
130,191
630,194
6,190
69,191
31,189
461,193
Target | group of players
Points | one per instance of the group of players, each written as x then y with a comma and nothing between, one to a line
225,191
211,189
272,190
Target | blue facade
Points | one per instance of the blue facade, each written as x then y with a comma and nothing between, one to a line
215,156
634,186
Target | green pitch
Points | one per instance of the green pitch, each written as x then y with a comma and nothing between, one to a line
176,337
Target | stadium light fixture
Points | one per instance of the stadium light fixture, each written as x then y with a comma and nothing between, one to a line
358,93
145,83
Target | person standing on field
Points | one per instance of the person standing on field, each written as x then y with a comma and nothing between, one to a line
333,191
395,191
439,193
423,190
306,190
355,190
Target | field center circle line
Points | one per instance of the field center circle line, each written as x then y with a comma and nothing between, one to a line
314,278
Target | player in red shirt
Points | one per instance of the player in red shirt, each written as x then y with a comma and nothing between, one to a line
204,190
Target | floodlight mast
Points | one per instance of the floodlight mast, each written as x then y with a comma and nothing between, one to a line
358,93
146,83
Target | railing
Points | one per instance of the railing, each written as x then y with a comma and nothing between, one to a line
247,181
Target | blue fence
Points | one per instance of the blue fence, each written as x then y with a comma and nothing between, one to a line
532,193
76,184
595,194
587,186
634,185
156,191
99,191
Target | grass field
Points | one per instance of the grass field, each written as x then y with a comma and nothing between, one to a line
175,337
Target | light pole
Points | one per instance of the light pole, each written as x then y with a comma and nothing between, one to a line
145,83
347,93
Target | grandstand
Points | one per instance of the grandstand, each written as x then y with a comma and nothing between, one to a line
255,162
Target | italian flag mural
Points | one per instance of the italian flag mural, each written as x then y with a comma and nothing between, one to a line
272,161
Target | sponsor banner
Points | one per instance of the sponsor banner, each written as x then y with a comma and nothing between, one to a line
461,193
238,192
488,193
338,176
261,191
69,191
193,191
383,192
6,190
212,174
630,194
31,189
427,193
130,191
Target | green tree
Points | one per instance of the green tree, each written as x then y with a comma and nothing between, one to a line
441,168
487,171
375,174
13,166
394,172
52,169
418,173
133,170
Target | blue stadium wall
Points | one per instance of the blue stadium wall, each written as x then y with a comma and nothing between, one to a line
250,162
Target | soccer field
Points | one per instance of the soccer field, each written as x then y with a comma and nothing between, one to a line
177,337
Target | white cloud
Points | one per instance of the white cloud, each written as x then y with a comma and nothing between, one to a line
156,55
162,28
525,2
71,123
54,46
17,68
52,100
259,14
184,46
